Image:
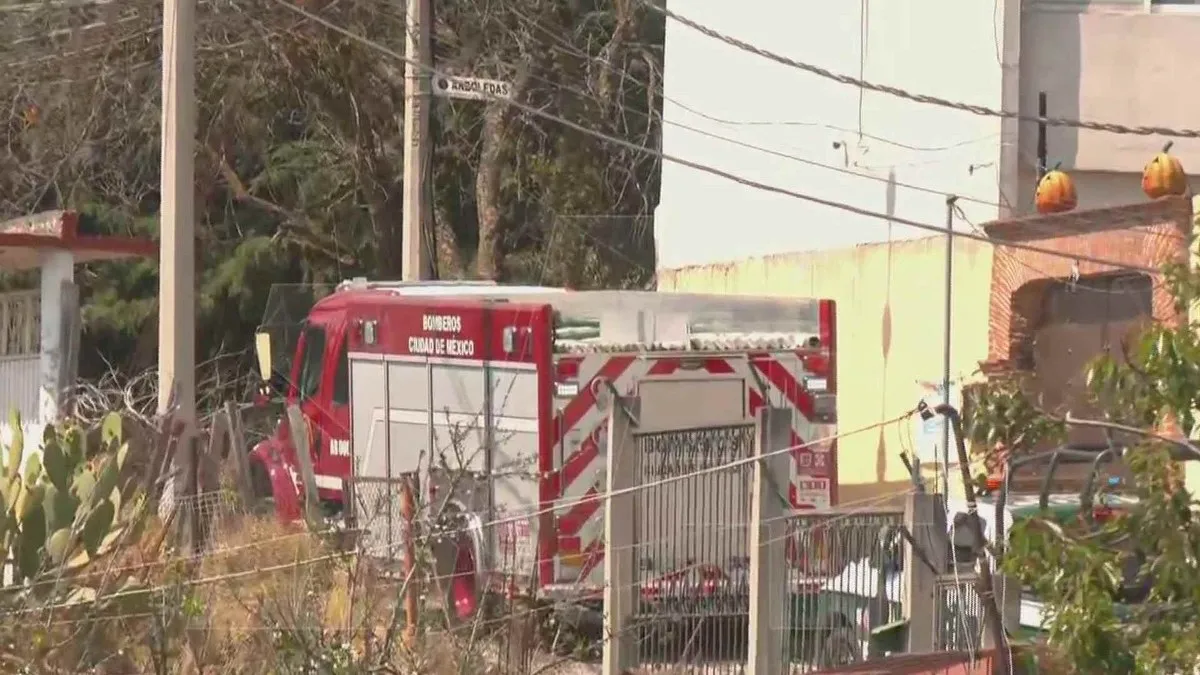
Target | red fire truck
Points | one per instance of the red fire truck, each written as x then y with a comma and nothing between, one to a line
509,384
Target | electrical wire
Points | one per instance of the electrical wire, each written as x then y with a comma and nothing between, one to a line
704,168
341,555
918,98
1055,230
715,136
560,45
776,153
565,48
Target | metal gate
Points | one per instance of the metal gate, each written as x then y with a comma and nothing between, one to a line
20,352
692,547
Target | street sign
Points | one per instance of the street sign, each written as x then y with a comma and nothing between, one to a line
928,433
475,88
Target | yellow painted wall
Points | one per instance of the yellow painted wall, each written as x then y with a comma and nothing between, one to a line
910,274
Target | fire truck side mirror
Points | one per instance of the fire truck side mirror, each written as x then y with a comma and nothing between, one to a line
262,345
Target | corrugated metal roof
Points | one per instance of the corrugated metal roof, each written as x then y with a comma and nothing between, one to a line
713,342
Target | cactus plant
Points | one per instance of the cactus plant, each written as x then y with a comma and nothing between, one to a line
62,503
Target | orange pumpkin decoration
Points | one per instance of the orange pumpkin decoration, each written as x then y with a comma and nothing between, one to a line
1055,192
1164,176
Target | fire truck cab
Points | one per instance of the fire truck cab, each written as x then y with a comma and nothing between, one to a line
491,397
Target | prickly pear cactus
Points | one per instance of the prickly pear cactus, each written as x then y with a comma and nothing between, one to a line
63,504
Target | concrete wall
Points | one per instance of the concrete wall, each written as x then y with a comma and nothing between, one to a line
1139,69
1128,62
878,368
946,48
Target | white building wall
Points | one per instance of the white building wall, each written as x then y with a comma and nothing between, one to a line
1127,62
946,48
34,368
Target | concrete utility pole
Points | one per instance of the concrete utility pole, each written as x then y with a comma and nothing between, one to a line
948,332
418,49
177,267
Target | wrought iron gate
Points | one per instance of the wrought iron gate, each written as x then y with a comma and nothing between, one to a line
20,351
692,553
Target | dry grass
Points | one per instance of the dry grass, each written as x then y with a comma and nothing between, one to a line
264,599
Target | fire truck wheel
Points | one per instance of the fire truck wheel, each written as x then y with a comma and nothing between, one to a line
260,483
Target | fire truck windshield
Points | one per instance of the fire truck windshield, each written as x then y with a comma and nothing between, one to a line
311,361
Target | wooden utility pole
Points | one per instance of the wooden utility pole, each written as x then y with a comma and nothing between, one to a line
177,267
418,50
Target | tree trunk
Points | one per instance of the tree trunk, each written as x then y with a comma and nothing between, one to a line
487,192
387,217
604,80
489,256
449,254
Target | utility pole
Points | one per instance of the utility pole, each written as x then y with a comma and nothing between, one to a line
177,266
951,200
418,50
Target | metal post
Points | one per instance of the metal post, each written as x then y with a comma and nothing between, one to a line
620,596
768,557
419,54
925,519
1041,137
408,511
950,205
387,456
177,274
304,443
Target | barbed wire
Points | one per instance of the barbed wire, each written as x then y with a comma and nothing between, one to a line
136,396
823,522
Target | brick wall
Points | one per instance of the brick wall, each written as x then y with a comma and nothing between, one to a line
939,663
1145,235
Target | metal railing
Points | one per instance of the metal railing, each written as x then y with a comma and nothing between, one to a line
957,614
843,581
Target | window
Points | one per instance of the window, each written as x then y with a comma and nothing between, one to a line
341,377
311,361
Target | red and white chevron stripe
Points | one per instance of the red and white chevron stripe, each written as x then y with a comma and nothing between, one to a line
583,428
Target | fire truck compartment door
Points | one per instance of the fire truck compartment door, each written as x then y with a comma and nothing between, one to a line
375,387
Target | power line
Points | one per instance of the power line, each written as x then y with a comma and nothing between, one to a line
919,98
566,47
536,112
562,46
744,144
